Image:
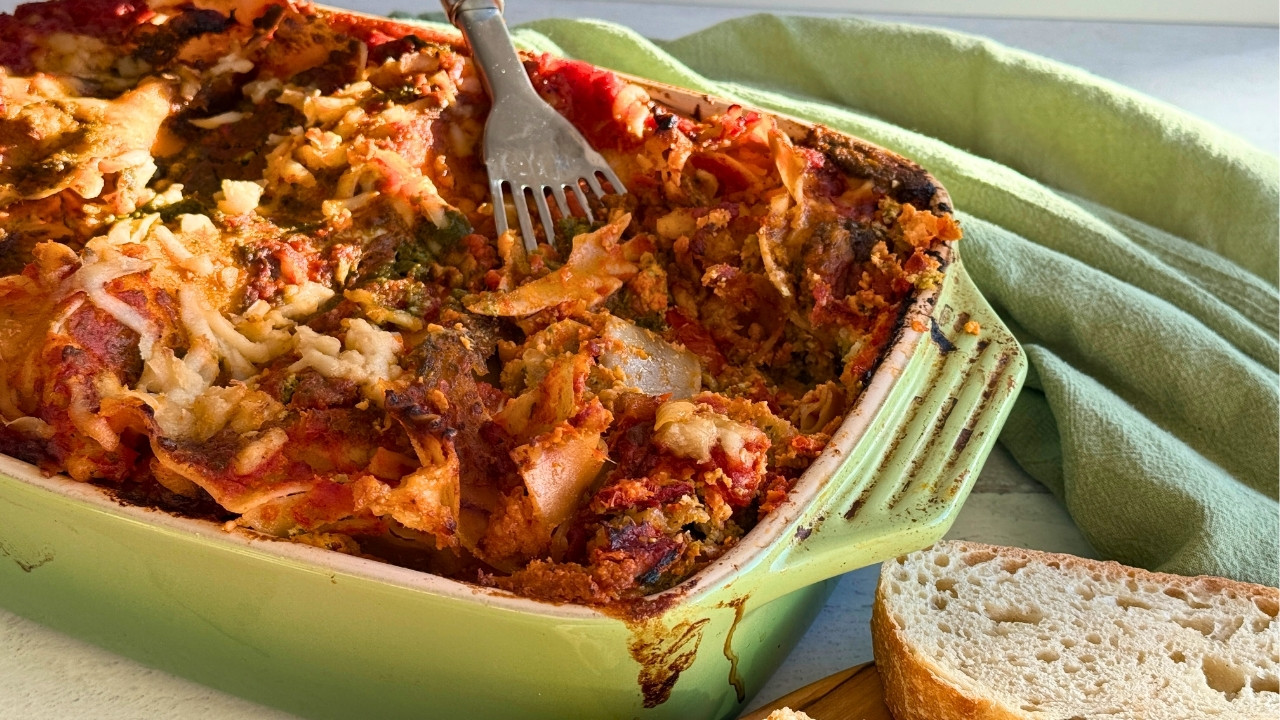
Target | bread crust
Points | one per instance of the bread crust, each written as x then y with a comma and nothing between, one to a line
918,688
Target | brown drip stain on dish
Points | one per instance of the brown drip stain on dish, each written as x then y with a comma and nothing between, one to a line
663,654
738,605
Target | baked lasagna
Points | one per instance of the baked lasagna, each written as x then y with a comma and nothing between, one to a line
250,272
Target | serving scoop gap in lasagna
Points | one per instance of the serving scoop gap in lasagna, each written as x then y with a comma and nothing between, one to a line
250,273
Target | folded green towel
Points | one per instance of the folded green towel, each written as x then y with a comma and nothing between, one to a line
1131,247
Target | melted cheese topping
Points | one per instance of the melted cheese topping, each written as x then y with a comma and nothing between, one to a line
369,357
239,197
692,430
101,266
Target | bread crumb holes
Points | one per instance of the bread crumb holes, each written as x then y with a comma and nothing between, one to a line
1264,683
1268,605
1133,602
1009,613
1202,624
1223,676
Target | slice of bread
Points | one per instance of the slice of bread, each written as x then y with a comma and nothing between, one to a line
970,631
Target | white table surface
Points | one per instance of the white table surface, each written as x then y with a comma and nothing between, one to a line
1225,74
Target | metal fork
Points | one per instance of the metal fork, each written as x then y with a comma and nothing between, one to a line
527,144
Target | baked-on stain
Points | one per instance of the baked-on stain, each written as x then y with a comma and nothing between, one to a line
1002,362
901,179
154,496
663,654
738,605
46,556
939,337
635,612
857,504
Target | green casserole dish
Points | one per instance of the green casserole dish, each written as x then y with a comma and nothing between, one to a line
324,634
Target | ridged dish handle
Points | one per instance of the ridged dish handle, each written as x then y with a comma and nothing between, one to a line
918,459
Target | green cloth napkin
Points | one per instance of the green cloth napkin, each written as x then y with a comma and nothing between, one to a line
1131,247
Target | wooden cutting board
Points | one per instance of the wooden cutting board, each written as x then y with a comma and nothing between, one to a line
853,694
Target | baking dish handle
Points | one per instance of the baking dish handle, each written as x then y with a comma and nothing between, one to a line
916,462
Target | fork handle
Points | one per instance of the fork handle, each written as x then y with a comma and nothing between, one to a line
452,7
495,56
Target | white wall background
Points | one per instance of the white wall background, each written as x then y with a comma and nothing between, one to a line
1249,12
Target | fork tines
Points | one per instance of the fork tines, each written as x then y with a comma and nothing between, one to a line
539,192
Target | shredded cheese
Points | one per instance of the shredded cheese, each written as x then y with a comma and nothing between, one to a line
369,358
239,197
205,324
255,454
217,121
92,279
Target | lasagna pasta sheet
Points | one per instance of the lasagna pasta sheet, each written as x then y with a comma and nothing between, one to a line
250,272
